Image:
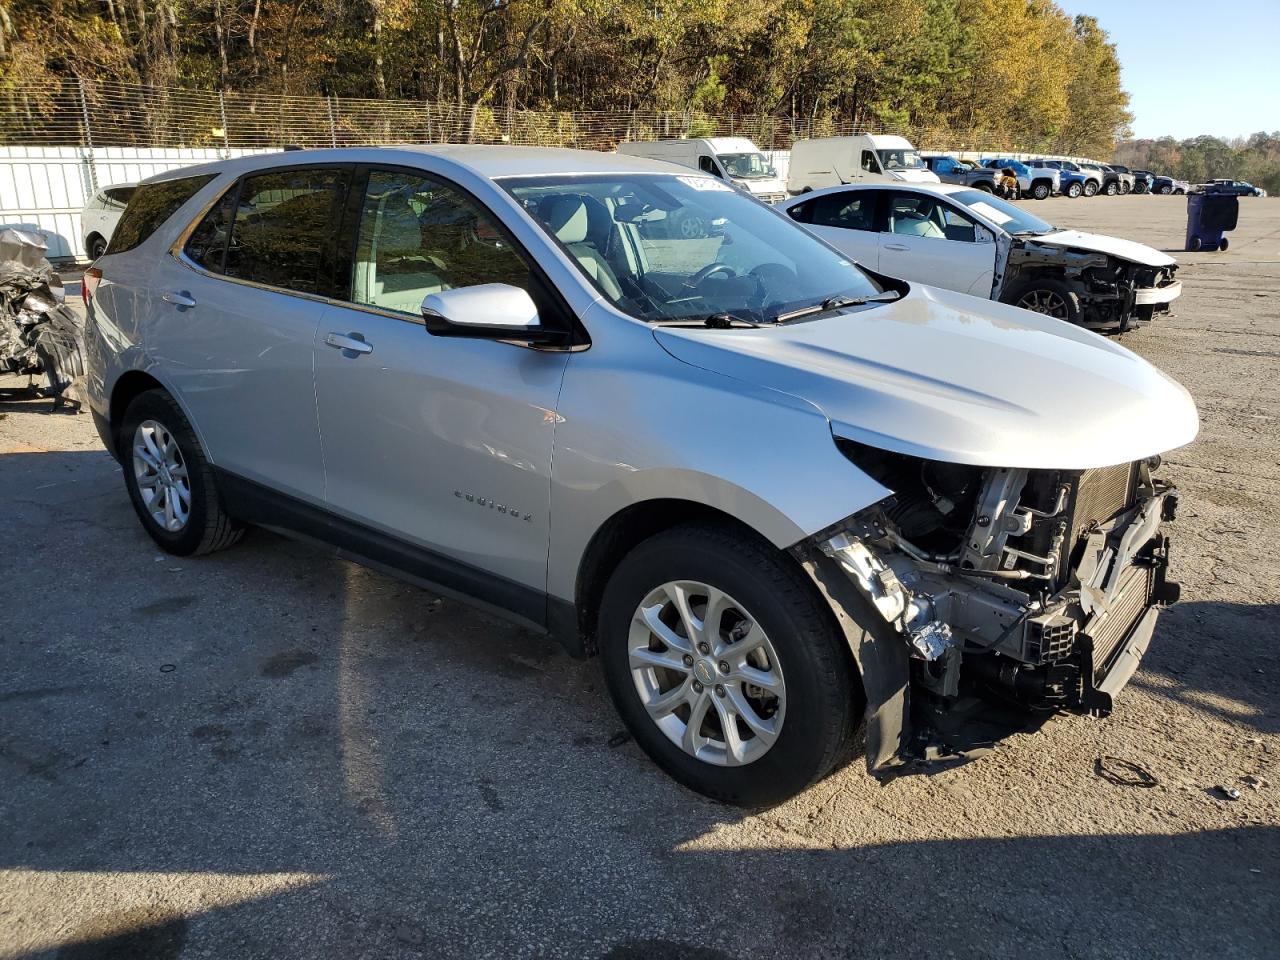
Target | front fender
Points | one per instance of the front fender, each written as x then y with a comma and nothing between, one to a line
636,424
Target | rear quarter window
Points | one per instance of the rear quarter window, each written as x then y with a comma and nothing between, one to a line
150,206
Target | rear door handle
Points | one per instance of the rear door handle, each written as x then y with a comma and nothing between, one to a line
351,344
896,246
179,298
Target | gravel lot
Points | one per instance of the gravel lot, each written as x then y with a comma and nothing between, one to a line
271,753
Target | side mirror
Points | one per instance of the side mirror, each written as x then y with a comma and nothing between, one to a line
487,311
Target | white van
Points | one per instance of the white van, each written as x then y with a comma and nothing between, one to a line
831,161
735,159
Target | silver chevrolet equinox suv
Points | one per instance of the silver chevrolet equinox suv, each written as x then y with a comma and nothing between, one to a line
782,497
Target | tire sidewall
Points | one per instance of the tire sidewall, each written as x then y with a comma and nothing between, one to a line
1072,301
801,751
158,406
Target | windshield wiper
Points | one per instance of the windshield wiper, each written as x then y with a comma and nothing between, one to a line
836,303
716,321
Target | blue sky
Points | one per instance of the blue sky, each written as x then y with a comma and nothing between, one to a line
1195,67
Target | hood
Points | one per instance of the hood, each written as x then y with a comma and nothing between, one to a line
771,185
1113,246
915,176
950,377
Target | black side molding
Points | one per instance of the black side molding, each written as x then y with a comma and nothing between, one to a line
257,504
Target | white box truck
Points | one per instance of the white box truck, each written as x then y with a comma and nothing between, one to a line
735,159
830,161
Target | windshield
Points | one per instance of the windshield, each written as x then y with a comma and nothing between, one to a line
900,160
1012,218
746,166
665,247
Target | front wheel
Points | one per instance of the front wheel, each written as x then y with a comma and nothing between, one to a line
1112,189
1165,191
1090,188
1051,297
170,480
1041,191
727,666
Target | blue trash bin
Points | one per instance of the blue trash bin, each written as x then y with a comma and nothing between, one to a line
1209,216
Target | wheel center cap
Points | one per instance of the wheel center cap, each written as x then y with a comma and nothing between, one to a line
705,672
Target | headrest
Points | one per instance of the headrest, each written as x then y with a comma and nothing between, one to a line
567,218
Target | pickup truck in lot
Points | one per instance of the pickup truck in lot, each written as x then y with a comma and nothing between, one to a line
1038,182
965,174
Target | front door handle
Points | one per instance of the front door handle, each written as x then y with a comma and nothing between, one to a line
896,246
351,344
179,298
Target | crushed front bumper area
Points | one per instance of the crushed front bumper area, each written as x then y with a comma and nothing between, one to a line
947,656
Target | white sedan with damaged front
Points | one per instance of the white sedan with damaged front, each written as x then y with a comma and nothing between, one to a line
967,240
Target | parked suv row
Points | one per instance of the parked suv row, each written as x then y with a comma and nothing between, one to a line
784,498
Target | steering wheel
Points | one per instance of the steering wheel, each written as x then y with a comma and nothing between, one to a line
710,270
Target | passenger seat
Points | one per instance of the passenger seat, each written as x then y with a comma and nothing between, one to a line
567,216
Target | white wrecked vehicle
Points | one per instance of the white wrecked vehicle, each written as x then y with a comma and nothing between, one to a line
969,241
39,335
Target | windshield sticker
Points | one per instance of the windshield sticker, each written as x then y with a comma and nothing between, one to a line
705,183
990,212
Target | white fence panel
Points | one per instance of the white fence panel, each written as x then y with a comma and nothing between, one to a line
45,188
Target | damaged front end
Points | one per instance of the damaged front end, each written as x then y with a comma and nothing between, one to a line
973,590
1115,294
39,335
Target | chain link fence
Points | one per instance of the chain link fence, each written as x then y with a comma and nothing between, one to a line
92,114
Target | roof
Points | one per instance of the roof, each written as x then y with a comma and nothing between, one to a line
489,161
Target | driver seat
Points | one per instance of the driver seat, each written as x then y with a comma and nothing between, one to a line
568,218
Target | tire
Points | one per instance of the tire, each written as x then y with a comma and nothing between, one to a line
820,703
1165,191
1048,296
1222,245
1194,245
690,226
1125,189
1091,188
1112,189
1074,190
1179,192
95,246
206,526
1041,190
985,187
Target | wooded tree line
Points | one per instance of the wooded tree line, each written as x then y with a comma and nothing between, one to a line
1255,158
1020,71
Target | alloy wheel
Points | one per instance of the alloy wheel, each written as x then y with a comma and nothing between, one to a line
161,475
706,673
1048,302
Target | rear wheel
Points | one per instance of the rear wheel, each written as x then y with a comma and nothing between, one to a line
95,246
985,187
1222,244
1091,188
1194,245
690,226
1167,190
1051,297
1112,189
170,480
1041,191
727,666
1073,190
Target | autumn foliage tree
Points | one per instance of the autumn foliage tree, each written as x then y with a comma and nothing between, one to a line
1020,71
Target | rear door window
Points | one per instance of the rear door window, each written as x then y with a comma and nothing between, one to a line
853,210
151,205
207,245
284,229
